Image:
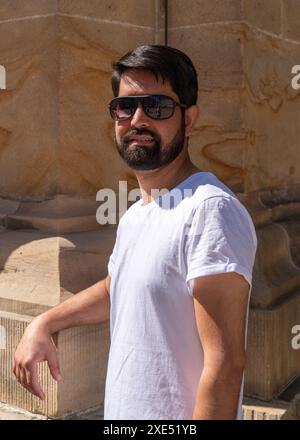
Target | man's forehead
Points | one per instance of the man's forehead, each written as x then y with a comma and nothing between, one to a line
138,81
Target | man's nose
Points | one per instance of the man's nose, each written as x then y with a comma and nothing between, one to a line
139,119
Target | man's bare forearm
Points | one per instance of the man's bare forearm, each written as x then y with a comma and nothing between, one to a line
90,306
218,395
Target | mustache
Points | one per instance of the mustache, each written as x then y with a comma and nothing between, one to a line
142,131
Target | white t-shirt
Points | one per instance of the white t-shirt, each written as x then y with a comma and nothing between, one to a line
156,357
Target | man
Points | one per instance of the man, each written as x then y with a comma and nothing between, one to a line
179,277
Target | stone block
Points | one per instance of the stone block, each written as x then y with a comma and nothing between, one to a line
216,54
293,411
264,14
68,134
127,12
86,129
58,214
218,142
271,360
193,12
49,268
38,271
222,152
28,117
9,412
270,109
275,273
292,19
82,353
219,109
10,10
259,410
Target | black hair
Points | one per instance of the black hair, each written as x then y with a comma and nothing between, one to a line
164,62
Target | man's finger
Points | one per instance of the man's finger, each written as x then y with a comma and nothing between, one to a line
22,377
16,372
32,382
54,365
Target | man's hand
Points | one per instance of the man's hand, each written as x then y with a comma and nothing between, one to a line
35,346
90,306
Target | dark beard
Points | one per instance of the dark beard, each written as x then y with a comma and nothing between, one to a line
150,158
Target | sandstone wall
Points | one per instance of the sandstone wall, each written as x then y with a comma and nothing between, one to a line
56,136
29,105
271,106
271,47
210,33
57,150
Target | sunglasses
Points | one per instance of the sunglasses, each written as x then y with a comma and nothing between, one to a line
154,106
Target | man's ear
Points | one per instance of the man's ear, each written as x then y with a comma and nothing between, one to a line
191,116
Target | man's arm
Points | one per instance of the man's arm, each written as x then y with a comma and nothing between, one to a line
90,306
220,303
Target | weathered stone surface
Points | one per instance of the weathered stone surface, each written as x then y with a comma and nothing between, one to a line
220,109
270,110
257,410
292,390
10,10
271,360
216,54
293,411
217,142
221,151
59,213
124,13
275,273
86,129
82,353
193,12
265,14
28,117
252,410
8,412
39,270
291,17
56,138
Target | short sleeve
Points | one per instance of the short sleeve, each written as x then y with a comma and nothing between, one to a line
221,238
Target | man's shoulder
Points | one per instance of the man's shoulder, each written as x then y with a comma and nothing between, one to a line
212,197
205,185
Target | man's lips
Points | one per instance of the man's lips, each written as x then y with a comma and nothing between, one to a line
141,140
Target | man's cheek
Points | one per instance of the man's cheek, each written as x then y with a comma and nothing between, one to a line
117,137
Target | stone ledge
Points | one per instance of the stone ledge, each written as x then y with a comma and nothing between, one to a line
252,409
8,412
259,410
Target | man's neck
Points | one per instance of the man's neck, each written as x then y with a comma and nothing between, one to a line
167,177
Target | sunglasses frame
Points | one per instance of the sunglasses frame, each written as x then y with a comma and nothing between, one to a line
140,99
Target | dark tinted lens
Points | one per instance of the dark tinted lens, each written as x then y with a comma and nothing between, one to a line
122,108
158,106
